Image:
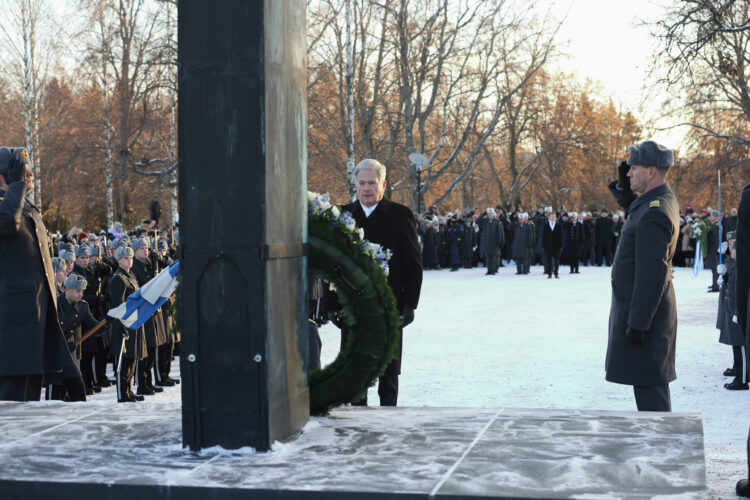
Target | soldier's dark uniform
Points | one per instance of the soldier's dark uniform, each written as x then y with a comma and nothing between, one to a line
128,346
743,300
643,297
75,319
164,353
144,271
91,345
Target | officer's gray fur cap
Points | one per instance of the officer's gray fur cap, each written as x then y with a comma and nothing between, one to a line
138,243
123,252
651,154
163,244
58,264
75,281
69,256
83,251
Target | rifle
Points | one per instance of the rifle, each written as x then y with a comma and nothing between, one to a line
91,332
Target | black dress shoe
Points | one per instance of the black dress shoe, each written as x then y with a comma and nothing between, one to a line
729,372
743,488
169,382
155,389
736,385
175,381
97,390
713,289
556,276
137,397
145,391
549,276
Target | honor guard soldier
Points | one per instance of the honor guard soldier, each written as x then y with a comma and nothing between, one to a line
166,351
75,319
128,346
643,315
58,267
70,261
143,270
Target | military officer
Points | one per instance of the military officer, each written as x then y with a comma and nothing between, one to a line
742,263
144,271
643,314
523,242
730,332
165,352
58,267
128,346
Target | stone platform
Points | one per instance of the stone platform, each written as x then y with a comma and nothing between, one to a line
133,451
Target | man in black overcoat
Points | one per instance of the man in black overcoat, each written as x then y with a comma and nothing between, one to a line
575,242
33,343
552,242
393,226
603,235
643,315
742,263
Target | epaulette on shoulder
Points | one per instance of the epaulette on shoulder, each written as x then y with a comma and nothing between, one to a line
654,204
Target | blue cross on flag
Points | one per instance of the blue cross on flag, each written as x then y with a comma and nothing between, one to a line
143,303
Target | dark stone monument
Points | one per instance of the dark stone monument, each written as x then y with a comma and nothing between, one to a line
242,148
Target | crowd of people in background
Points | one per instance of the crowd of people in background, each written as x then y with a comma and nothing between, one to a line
494,238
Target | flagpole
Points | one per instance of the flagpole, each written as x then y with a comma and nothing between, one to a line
718,173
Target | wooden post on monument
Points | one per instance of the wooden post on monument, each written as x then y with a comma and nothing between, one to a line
242,151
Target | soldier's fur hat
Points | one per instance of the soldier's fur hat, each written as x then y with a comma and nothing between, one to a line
75,281
123,251
138,243
68,256
651,154
83,251
57,264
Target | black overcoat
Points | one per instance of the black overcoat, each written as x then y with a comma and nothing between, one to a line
493,236
430,242
393,226
743,264
523,240
575,239
75,320
642,292
730,332
552,239
31,341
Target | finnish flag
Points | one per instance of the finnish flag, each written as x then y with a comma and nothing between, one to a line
143,303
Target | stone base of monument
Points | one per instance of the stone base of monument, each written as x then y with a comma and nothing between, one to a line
133,451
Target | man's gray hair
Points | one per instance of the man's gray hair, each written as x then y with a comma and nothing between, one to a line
370,164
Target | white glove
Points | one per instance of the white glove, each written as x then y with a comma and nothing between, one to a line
721,269
734,319
724,246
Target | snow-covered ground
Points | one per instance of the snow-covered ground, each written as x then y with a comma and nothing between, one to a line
532,342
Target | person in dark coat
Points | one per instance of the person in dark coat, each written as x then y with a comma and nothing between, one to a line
575,242
393,226
603,237
32,342
128,346
430,243
643,314
468,242
164,357
75,320
493,239
742,262
523,242
455,236
552,241
156,337
712,255
730,332
589,245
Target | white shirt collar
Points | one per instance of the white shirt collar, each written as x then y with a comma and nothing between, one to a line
552,224
368,210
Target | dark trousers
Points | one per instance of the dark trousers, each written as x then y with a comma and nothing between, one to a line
143,369
491,260
603,255
652,397
520,265
124,377
100,366
573,263
163,361
87,368
21,388
551,263
387,383
73,389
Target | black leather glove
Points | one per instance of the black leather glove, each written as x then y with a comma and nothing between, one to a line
622,176
408,315
17,167
635,336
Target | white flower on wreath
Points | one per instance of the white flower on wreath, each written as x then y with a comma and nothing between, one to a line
335,211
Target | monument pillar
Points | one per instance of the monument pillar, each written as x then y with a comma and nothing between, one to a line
242,149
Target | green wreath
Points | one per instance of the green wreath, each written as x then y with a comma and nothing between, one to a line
357,270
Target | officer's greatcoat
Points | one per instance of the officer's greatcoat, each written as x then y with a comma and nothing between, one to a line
642,292
31,341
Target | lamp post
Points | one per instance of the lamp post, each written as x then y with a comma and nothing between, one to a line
419,189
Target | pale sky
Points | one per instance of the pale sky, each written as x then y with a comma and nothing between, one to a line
607,43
